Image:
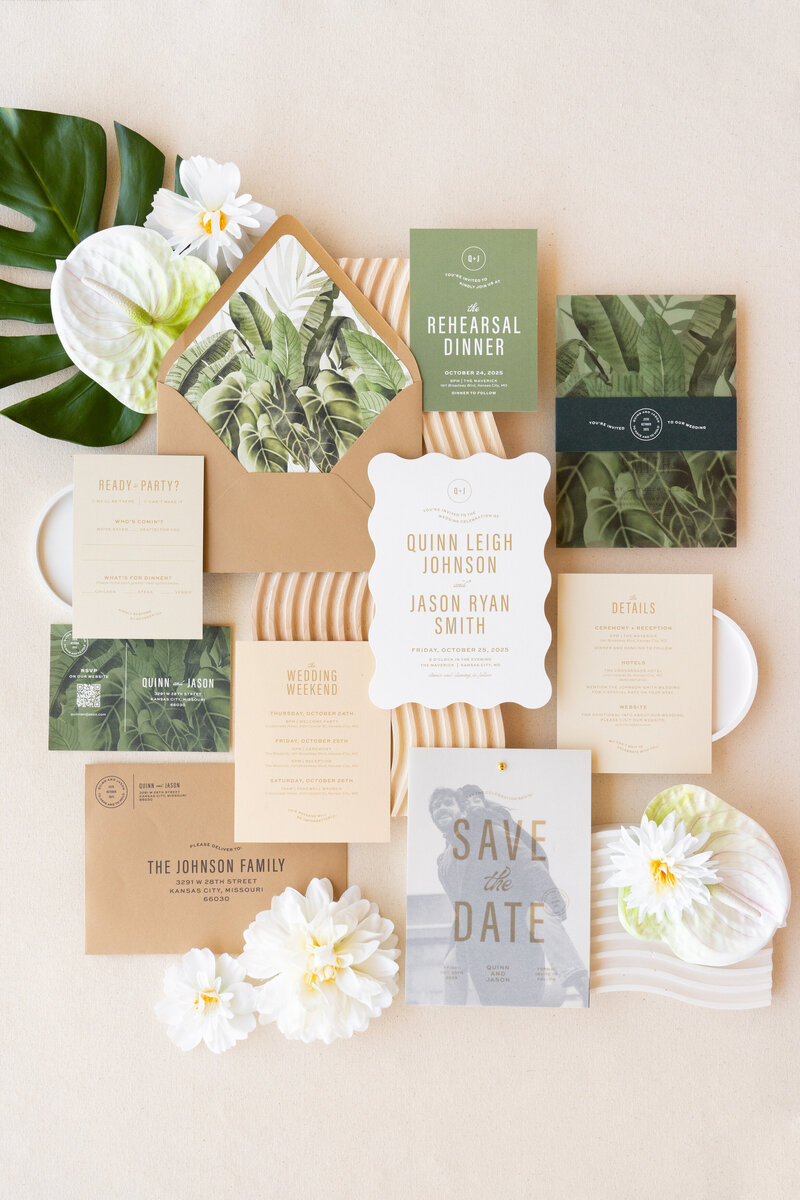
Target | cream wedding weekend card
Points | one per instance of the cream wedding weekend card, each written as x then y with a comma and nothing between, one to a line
138,546
635,671
459,580
312,752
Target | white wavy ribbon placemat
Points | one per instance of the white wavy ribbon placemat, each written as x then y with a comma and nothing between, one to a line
621,963
328,606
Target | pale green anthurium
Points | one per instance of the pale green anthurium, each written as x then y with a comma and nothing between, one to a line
119,301
751,899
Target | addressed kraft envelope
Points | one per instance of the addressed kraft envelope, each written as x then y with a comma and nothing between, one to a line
163,871
292,521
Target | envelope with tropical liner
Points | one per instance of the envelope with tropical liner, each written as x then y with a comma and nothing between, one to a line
288,382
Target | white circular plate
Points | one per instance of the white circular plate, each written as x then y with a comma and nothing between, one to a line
52,546
735,675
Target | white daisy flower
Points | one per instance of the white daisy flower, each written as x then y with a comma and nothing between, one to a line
211,221
661,866
330,965
206,1000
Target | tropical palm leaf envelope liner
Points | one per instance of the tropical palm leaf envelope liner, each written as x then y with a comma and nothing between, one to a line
646,420
288,382
288,374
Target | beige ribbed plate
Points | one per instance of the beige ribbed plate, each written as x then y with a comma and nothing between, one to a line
621,963
338,607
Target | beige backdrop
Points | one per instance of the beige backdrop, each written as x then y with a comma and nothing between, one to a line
654,146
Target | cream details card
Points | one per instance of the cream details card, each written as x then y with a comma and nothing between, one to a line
138,546
459,580
312,752
634,671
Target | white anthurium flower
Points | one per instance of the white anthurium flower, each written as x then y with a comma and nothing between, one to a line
329,965
701,876
207,1000
119,301
211,221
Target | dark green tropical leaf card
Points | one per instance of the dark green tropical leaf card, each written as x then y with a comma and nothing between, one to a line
473,318
646,420
143,694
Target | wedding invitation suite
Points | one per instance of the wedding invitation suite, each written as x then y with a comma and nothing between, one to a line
138,546
635,671
473,318
459,580
312,751
170,696
646,420
163,871
499,877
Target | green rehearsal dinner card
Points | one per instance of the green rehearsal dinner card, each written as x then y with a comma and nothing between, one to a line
646,420
473,318
143,694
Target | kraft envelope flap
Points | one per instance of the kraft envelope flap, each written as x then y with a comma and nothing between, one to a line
296,520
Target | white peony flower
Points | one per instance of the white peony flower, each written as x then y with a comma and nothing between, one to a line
206,1000
329,965
211,221
661,867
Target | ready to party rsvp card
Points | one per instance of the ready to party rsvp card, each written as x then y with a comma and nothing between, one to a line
138,546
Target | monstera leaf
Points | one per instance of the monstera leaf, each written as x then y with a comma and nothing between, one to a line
260,449
225,408
53,171
334,406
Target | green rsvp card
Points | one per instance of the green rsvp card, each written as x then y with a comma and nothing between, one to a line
140,694
473,318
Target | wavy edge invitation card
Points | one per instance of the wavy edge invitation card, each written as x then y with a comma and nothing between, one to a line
312,751
138,546
499,878
473,318
169,696
635,671
163,871
459,580
646,420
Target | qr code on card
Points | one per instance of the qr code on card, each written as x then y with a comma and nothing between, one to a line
88,695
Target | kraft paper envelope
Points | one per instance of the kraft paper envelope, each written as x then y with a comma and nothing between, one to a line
163,871
292,519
